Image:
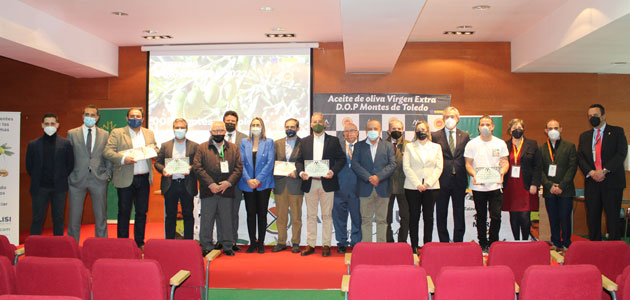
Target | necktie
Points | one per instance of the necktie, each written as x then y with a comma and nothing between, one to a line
230,138
598,150
89,141
395,147
350,150
451,145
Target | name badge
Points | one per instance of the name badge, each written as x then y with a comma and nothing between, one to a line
516,171
552,170
224,167
496,152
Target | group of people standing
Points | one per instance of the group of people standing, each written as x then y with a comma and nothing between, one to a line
363,179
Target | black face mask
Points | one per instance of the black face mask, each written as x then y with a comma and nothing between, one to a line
396,134
595,121
230,127
517,133
421,135
218,138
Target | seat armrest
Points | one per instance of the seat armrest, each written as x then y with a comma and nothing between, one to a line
608,284
179,277
430,284
213,255
557,256
416,260
345,283
516,288
347,258
19,252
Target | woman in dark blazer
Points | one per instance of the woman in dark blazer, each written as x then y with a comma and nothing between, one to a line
257,153
521,182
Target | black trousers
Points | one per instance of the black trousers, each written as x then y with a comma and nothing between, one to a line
559,210
137,195
256,204
458,194
403,211
597,196
421,203
521,224
177,193
40,205
488,201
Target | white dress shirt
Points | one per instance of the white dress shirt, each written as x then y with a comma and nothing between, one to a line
140,167
373,148
318,147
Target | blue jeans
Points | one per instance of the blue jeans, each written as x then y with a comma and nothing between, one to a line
559,210
346,203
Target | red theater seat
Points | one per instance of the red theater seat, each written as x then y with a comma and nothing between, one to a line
32,297
380,254
475,283
577,282
95,248
518,256
398,282
52,246
435,256
52,277
7,276
6,248
623,283
128,279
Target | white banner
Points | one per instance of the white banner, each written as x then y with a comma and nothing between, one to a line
10,176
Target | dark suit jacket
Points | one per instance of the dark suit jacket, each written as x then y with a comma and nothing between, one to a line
207,167
383,166
294,185
63,164
461,176
397,180
166,151
530,161
347,178
614,151
565,160
332,152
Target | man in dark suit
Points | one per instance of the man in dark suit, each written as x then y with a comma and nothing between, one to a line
559,165
346,199
288,189
601,153
91,173
397,183
179,187
454,178
374,162
319,190
49,162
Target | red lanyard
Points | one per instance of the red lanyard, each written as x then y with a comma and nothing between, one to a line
517,152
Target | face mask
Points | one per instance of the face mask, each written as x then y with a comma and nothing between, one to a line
485,131
218,138
50,130
290,133
318,128
553,134
450,123
517,133
230,127
89,121
396,134
372,135
180,133
421,135
134,123
595,121
256,131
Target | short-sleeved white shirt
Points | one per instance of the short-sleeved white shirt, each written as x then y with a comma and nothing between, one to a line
486,155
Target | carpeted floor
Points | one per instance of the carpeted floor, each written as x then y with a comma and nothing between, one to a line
238,294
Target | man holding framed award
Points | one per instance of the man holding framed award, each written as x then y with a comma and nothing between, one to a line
486,161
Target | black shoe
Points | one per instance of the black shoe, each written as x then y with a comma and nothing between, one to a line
204,252
341,249
415,250
228,252
326,251
261,249
236,248
295,248
279,247
218,246
252,248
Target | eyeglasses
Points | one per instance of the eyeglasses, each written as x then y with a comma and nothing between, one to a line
350,131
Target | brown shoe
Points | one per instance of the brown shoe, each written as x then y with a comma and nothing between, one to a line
326,251
308,251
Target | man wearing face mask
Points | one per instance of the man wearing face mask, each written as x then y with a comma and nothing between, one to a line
454,179
397,181
49,162
131,178
601,153
483,153
287,191
374,162
319,191
179,187
559,165
91,173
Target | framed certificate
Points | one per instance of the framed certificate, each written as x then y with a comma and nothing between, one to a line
140,153
283,168
488,175
316,168
177,165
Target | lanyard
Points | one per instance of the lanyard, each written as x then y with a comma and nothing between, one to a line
221,154
551,155
517,152
348,151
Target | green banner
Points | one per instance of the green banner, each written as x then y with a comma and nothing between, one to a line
110,119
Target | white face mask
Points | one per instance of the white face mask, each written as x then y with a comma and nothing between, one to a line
180,133
50,130
256,131
553,134
485,130
450,123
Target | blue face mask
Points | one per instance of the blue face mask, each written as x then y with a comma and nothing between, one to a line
89,121
180,133
372,135
134,123
290,133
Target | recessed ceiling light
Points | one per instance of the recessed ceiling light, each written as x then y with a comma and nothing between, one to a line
120,13
157,37
619,63
464,27
266,8
280,35
481,7
149,31
460,32
278,29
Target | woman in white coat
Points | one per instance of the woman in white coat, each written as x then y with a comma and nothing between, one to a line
422,164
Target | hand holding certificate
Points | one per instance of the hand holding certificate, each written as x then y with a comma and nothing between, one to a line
177,166
316,168
140,153
283,168
487,175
